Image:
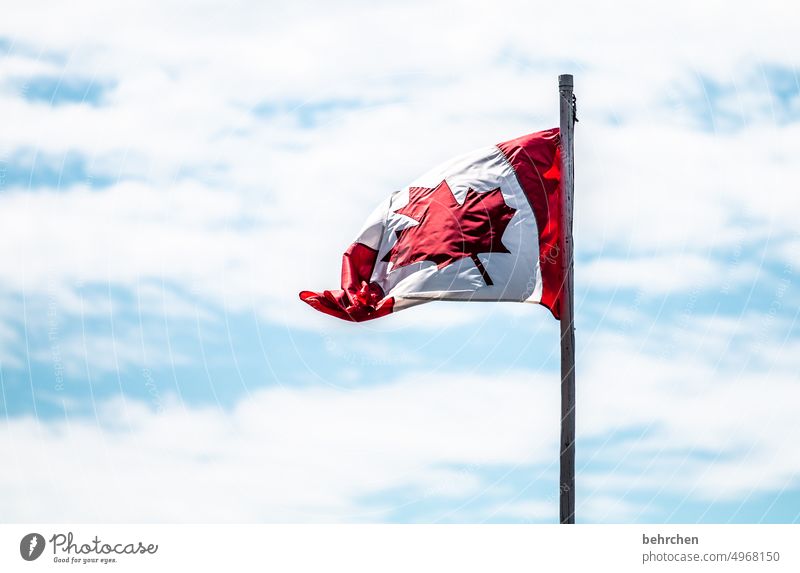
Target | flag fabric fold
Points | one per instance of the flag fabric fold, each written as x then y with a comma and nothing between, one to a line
484,226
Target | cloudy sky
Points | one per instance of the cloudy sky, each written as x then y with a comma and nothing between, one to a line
172,175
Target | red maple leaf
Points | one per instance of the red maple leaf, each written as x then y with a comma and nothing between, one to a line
448,231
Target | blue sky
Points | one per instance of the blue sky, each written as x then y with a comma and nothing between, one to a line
170,180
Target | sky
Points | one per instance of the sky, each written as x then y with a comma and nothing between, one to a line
172,176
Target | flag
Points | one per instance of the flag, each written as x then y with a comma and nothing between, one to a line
484,226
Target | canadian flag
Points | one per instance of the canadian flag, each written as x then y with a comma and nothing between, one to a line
484,226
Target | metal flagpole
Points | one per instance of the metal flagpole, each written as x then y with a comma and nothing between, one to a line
567,478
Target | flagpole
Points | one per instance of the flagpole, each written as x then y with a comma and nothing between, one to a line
567,455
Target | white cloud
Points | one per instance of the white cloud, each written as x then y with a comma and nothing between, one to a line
607,509
283,455
709,431
699,399
526,511
659,274
8,339
89,354
181,102
242,211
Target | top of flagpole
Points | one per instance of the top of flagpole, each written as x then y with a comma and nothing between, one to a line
565,81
